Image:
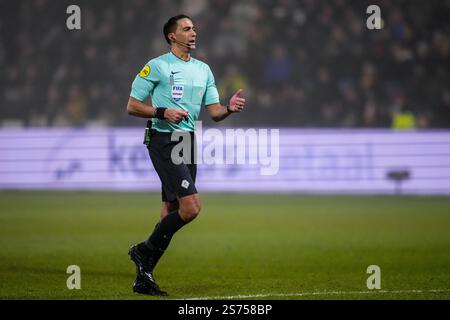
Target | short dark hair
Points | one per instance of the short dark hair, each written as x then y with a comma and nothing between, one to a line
171,25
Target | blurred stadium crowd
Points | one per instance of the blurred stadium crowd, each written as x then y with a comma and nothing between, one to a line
302,63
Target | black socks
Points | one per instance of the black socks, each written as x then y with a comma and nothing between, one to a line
152,251
161,236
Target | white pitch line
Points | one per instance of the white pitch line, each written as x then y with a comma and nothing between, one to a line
318,293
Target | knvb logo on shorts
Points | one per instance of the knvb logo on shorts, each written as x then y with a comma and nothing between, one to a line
258,147
177,92
185,184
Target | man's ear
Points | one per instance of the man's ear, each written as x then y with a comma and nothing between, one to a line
171,36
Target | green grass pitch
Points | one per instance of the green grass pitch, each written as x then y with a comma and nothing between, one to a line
248,246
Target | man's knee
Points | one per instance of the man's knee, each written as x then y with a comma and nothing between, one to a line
190,207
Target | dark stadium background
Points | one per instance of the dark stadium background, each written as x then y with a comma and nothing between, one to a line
309,68
307,63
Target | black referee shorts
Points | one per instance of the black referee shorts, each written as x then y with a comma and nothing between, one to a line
177,180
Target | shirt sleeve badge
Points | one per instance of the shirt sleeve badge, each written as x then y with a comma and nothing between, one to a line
145,71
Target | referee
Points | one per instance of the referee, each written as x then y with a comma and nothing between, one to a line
179,86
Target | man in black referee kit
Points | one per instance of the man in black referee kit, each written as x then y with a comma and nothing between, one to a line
179,86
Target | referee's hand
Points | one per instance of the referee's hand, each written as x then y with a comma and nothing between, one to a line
237,102
175,115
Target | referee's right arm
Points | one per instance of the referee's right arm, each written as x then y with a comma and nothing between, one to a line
139,109
141,89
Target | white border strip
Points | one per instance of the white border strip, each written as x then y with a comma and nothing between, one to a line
318,293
